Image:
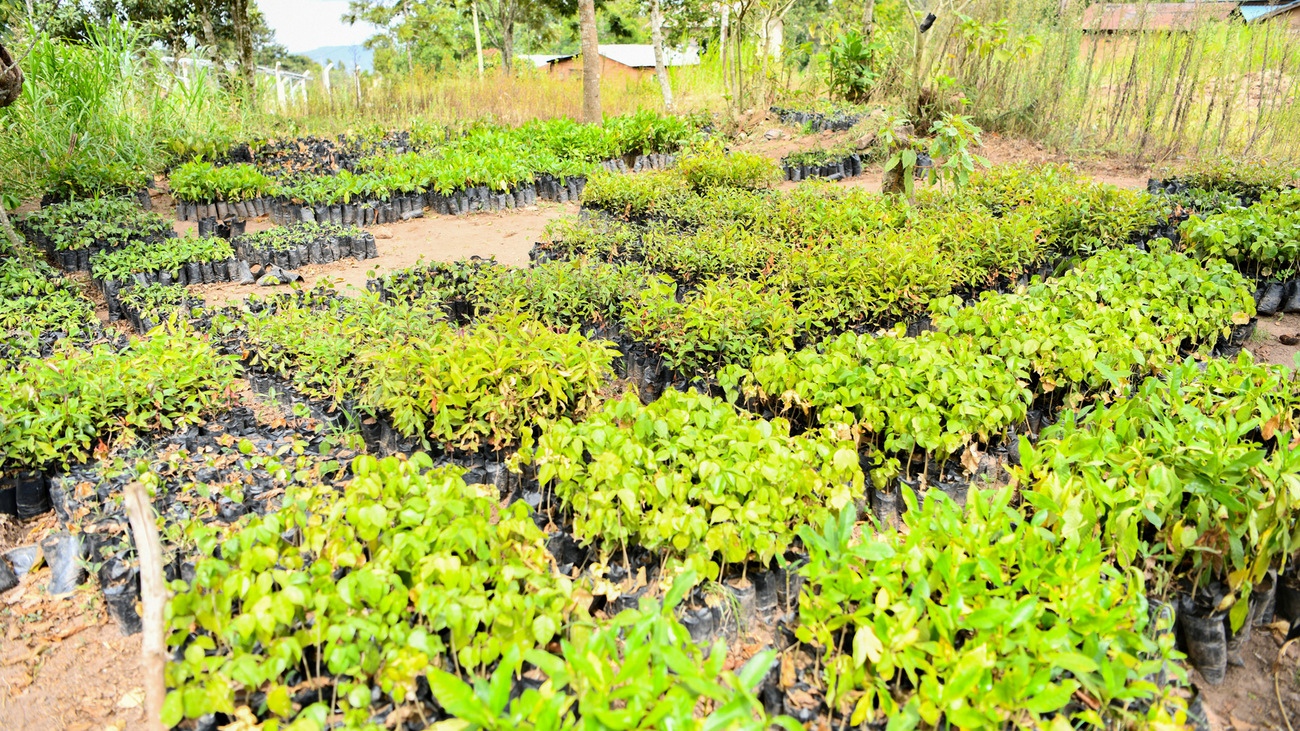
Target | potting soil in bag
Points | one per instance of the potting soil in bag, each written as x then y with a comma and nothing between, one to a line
120,583
1271,299
23,559
33,495
1207,645
62,552
8,579
8,496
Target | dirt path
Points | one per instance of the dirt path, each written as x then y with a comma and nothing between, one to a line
1266,343
63,662
507,236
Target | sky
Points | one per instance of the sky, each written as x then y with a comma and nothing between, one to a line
303,25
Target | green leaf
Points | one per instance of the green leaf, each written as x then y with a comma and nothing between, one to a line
278,700
543,629
1053,697
172,709
866,646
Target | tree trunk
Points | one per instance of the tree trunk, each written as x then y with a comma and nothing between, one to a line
478,41
244,42
210,38
410,44
506,12
722,41
657,38
11,78
590,62
868,20
507,45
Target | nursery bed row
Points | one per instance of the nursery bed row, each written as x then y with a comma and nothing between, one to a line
38,307
416,594
835,120
71,233
58,409
481,169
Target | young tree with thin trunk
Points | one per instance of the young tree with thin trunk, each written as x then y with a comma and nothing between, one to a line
210,39
506,13
590,62
239,17
722,40
657,38
478,40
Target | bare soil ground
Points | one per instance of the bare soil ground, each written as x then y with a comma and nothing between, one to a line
507,236
1267,344
1248,700
63,662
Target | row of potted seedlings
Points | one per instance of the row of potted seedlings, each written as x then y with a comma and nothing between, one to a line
699,620
798,167
834,121
147,306
189,261
300,244
403,207
220,209
746,594
65,404
703,620
71,233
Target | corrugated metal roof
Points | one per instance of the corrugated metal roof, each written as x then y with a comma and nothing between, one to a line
1154,16
640,56
1250,12
540,60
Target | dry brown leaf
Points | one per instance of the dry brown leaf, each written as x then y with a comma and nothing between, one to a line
65,634
801,698
134,698
787,670
583,598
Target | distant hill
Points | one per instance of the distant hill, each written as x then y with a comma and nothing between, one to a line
347,55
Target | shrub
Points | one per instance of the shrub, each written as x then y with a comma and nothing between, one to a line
692,474
974,618
54,412
711,166
726,321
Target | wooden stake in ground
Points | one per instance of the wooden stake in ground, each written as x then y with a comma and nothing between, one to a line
153,591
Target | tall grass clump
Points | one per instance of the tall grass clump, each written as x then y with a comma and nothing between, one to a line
1214,87
456,99
98,116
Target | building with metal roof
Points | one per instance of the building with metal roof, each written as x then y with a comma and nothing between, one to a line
1128,17
627,60
542,60
1255,12
1182,17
